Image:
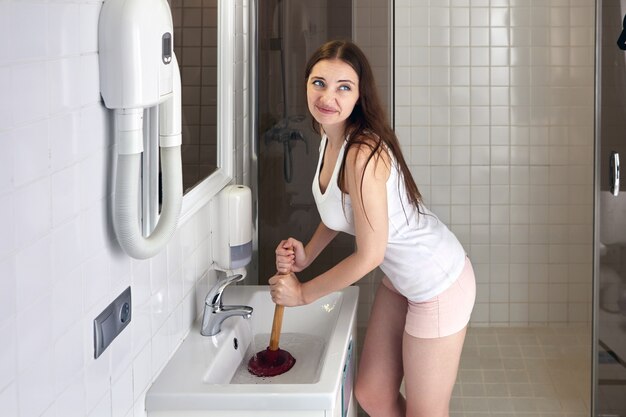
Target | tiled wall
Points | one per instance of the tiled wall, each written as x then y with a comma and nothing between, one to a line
494,104
60,264
372,31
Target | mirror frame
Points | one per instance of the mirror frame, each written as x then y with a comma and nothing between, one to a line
204,191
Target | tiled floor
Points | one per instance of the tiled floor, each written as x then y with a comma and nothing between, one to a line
524,372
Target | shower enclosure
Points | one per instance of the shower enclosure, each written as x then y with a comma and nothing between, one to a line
494,108
610,219
286,149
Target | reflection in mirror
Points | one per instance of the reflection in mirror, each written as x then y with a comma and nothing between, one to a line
195,45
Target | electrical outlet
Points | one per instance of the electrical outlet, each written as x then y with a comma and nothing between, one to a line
111,322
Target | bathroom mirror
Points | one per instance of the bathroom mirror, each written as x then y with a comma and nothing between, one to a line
204,36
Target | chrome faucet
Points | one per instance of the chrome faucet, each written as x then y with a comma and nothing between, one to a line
215,312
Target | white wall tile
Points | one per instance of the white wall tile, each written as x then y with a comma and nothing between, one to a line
65,195
64,92
58,255
499,36
6,104
63,135
519,293
501,195
36,385
72,401
26,43
480,314
159,307
460,36
479,16
507,111
68,359
8,358
29,91
93,234
33,333
142,370
161,346
32,271
63,29
499,293
122,394
499,313
96,374
459,17
88,35
33,219
65,246
121,355
7,225
67,301
96,281
103,408
90,78
518,313
8,401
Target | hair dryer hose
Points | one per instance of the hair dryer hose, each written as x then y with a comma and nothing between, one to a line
126,210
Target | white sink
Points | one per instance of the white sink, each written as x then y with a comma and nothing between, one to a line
208,375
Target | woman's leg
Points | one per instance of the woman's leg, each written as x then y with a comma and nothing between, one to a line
380,371
430,370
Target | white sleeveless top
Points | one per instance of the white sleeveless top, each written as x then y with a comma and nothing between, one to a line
423,257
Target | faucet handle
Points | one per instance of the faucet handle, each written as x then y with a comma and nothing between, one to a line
229,279
214,296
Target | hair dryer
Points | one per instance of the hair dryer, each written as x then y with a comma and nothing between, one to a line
138,70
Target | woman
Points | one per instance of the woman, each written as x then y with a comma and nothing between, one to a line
363,187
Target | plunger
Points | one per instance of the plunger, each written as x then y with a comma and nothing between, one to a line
272,361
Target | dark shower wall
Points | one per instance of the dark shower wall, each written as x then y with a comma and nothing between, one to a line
288,32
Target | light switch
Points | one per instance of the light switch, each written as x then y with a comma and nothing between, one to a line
111,322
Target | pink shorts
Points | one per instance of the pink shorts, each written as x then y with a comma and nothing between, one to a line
444,314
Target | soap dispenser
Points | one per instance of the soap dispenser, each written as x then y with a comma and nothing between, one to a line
232,237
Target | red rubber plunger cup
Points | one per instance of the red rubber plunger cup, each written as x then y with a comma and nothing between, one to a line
272,361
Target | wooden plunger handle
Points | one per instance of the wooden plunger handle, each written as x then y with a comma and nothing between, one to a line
276,325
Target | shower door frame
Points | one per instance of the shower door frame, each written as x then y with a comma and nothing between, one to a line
253,108
596,203
600,164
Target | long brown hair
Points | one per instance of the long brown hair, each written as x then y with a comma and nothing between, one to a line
367,124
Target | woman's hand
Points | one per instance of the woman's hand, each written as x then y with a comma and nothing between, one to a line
286,290
290,256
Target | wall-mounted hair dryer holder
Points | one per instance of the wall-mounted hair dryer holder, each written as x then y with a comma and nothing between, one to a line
138,70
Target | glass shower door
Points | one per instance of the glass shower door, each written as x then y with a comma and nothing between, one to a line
287,147
610,220
289,31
